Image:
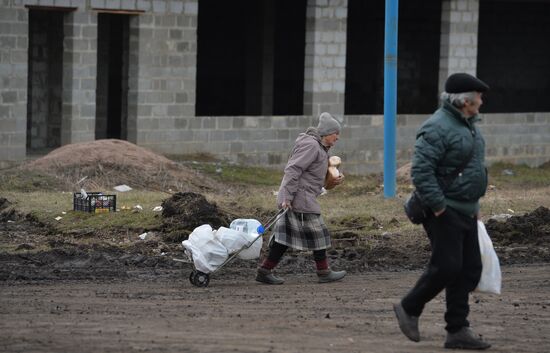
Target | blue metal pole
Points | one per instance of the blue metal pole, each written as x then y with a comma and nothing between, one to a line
390,96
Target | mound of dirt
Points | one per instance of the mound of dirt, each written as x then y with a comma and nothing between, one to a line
185,211
530,229
7,212
107,163
403,174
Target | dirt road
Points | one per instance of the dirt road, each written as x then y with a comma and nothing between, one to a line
163,312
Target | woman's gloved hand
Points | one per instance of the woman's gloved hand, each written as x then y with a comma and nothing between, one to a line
286,204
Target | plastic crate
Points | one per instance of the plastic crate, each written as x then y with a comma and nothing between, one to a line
96,202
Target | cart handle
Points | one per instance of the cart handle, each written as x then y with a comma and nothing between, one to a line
261,228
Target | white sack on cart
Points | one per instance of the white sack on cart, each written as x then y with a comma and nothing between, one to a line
234,240
207,252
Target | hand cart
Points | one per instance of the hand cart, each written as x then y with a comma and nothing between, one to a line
201,279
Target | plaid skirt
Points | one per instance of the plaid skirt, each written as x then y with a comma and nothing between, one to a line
302,231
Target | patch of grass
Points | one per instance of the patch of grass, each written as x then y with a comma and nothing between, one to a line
29,181
193,157
229,173
519,175
251,191
46,206
75,221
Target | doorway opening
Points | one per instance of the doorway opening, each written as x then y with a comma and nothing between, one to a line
112,76
45,81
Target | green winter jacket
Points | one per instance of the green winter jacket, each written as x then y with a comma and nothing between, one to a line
443,142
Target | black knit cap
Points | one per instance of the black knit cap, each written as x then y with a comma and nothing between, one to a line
463,82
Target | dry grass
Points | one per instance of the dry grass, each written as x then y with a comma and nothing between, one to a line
355,209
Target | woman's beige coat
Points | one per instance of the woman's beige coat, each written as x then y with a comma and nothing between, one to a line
305,173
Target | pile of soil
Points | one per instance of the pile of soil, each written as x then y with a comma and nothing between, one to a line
522,239
185,211
530,229
7,212
107,163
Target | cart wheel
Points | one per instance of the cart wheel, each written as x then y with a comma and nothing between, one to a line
200,279
191,277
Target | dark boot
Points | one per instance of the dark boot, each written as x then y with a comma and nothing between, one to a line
266,276
465,339
407,323
328,275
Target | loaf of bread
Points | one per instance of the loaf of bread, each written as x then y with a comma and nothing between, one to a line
332,173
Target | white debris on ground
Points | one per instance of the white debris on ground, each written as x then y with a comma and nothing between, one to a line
122,188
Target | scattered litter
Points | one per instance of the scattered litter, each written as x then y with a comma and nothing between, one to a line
83,194
63,212
501,217
122,188
157,208
511,210
10,221
275,193
323,191
508,172
137,208
491,187
81,180
58,218
143,236
124,207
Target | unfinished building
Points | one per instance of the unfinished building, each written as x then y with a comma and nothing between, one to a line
240,79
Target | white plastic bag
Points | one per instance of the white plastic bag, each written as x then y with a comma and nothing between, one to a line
490,281
235,240
207,251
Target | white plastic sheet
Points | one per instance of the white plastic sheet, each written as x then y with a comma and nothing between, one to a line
207,251
491,277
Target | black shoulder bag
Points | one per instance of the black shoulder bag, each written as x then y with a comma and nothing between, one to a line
415,210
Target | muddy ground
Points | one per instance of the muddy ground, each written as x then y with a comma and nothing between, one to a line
76,298
160,311
59,293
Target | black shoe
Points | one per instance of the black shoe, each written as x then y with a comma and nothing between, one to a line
266,276
407,323
326,276
465,339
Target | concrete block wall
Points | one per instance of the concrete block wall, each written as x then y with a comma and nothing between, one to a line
13,83
459,28
267,141
79,77
517,137
162,80
163,50
325,57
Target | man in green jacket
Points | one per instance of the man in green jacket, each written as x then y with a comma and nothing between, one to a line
445,142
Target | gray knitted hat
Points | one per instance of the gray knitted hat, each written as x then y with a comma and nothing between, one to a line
328,125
